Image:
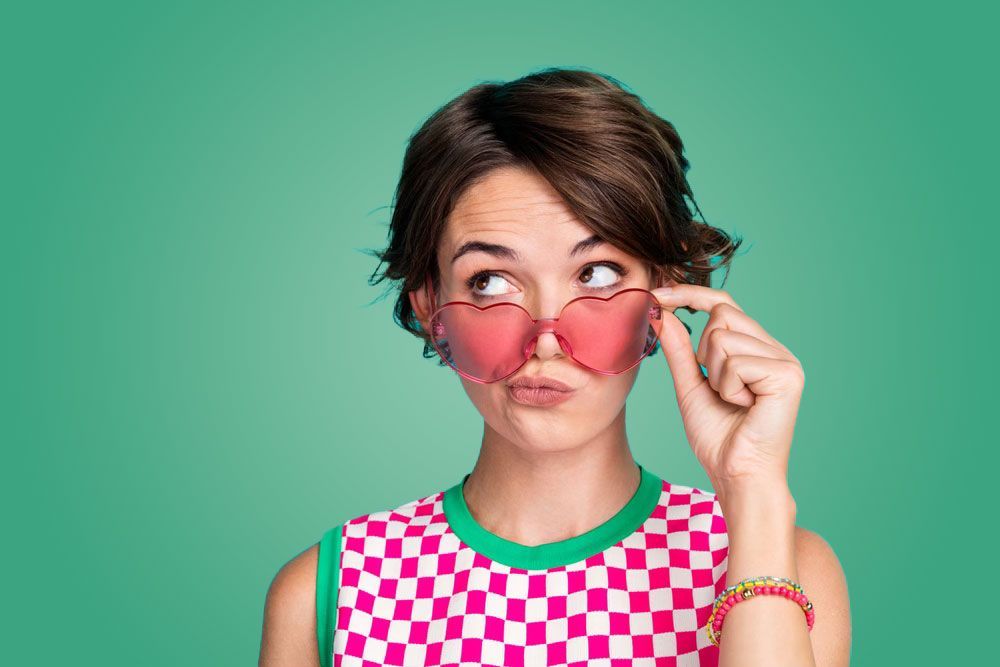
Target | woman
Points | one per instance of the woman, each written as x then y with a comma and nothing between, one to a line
561,195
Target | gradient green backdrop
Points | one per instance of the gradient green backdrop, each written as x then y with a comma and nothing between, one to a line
198,383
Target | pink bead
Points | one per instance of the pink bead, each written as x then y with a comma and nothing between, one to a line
734,598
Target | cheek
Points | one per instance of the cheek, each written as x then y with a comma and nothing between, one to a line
611,390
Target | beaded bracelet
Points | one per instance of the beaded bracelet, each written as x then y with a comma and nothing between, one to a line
746,589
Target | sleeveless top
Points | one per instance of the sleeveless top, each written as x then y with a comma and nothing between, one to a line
425,584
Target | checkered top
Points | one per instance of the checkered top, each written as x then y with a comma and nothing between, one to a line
412,592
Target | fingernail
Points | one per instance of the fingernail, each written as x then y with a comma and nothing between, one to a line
663,291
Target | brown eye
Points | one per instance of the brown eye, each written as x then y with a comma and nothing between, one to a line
608,275
481,281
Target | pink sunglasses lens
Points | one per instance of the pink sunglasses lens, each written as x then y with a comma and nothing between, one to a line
612,336
485,344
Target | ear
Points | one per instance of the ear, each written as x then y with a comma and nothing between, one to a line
420,301
667,282
662,278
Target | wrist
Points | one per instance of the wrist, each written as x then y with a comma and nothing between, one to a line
760,524
755,495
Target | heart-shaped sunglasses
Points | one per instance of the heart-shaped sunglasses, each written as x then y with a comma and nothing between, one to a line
608,335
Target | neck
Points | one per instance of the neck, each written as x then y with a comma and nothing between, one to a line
536,495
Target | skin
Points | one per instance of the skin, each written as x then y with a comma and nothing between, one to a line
550,473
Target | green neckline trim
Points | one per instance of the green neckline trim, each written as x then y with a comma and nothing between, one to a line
552,554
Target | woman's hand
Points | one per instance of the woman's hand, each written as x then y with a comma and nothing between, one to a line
740,419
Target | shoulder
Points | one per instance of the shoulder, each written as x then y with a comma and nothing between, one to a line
823,580
816,559
289,632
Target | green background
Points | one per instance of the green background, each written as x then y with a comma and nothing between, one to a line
198,379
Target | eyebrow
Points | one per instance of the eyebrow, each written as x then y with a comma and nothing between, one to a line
503,252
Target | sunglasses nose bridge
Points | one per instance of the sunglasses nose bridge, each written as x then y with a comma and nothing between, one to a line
546,325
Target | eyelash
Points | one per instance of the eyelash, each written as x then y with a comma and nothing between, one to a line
618,268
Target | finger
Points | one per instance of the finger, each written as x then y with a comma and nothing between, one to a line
742,396
726,343
777,387
724,316
723,343
723,309
697,297
675,341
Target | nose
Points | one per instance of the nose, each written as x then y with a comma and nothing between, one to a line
548,344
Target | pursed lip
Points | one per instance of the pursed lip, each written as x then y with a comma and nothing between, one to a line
540,381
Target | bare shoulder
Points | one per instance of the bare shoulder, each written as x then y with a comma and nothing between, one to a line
289,632
822,578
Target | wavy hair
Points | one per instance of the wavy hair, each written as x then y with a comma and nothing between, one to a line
619,166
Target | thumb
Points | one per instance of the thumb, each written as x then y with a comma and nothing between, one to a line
675,340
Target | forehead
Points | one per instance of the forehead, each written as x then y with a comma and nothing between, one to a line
513,207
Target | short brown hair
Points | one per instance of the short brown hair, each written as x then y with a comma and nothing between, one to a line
619,167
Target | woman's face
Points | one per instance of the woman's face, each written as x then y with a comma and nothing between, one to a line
540,257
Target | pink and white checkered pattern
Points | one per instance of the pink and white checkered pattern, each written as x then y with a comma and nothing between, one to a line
412,593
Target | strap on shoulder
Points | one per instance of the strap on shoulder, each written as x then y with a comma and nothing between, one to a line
327,587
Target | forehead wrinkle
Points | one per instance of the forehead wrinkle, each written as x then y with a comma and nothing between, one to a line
489,215
556,212
485,226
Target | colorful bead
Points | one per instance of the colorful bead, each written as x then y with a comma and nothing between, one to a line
748,588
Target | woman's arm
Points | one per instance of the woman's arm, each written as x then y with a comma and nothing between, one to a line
739,416
289,632
771,630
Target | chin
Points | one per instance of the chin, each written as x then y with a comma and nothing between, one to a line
547,437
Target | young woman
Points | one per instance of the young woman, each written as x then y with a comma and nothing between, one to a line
543,240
